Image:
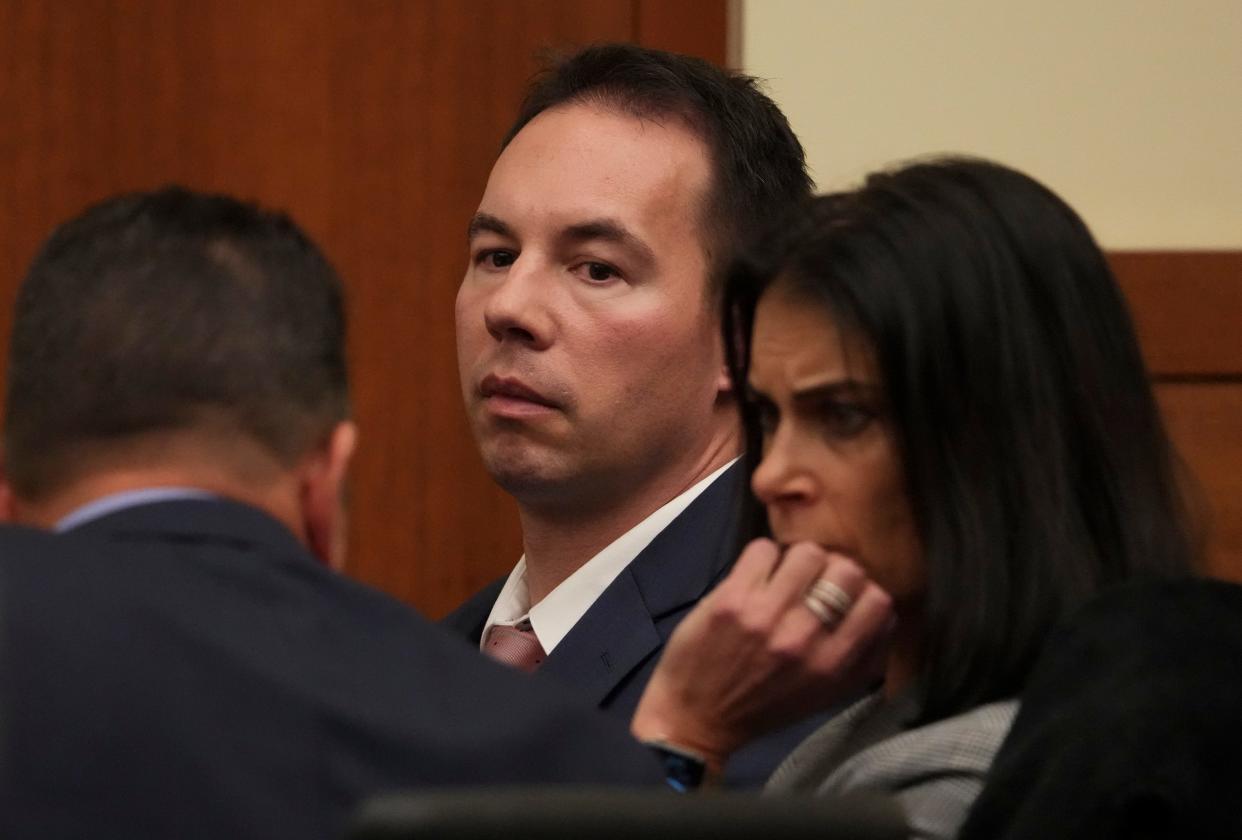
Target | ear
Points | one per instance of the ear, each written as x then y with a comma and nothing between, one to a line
724,382
322,494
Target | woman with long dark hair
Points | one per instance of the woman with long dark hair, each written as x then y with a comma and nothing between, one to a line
953,445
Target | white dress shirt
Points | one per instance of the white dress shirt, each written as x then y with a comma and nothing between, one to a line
554,616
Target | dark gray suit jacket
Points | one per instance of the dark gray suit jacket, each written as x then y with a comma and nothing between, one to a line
187,669
609,655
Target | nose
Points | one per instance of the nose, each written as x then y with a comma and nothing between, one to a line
518,307
781,480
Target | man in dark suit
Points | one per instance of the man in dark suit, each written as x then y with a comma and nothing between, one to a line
179,657
591,360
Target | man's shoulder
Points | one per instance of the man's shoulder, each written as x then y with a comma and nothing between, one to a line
17,542
311,676
289,631
56,566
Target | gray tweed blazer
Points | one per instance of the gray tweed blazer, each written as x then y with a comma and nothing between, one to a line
934,771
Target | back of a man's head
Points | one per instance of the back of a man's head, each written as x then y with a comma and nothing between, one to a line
758,165
170,312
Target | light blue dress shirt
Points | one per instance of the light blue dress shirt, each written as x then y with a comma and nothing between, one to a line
114,502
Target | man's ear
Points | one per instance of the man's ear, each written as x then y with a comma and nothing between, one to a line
724,382
322,494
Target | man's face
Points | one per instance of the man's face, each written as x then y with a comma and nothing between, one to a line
588,348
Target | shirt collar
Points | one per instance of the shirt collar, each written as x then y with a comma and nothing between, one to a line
554,616
114,502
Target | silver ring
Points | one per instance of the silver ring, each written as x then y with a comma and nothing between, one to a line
825,613
831,595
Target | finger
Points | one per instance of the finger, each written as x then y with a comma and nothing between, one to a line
761,607
740,594
829,614
828,596
868,624
800,629
846,575
838,661
755,564
813,614
801,565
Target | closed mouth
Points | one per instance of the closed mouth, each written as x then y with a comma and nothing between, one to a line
513,389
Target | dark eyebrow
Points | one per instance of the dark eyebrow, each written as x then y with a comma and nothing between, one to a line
850,388
837,388
487,223
609,230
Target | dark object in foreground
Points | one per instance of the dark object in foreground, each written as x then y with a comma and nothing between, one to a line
1131,725
608,814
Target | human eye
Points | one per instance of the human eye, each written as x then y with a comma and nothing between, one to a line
843,419
596,272
495,258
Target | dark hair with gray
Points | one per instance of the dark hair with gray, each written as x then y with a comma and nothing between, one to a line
759,169
171,310
1037,465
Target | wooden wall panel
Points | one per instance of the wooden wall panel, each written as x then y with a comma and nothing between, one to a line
375,123
1187,308
696,27
421,96
1205,421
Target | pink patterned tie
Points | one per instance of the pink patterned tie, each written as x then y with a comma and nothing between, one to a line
517,646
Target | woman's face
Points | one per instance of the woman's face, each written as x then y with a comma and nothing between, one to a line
830,471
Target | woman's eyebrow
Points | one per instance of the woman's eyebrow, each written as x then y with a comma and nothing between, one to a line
820,386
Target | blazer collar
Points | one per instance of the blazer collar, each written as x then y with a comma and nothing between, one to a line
193,520
619,632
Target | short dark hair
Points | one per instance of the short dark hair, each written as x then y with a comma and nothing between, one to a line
758,165
1037,465
165,311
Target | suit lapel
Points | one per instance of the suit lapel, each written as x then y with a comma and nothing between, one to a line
622,628
688,557
613,638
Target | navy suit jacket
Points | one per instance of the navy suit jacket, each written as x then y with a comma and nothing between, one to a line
187,669
609,655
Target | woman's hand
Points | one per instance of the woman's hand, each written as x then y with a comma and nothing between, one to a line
752,656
